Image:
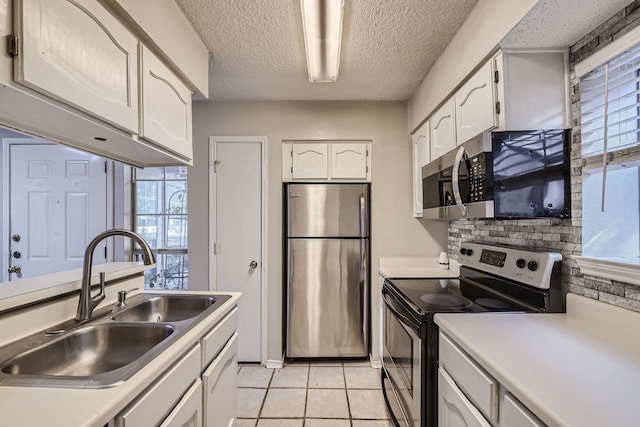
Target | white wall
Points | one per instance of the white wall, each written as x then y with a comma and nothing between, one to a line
488,23
393,229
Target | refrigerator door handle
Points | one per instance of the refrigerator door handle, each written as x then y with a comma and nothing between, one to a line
364,301
363,216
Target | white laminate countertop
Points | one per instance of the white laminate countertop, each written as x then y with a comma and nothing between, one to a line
578,369
422,267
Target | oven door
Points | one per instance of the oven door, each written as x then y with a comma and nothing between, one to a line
401,362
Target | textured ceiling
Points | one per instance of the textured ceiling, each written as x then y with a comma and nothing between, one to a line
257,50
560,23
387,47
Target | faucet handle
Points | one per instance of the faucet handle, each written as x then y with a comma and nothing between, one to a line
122,297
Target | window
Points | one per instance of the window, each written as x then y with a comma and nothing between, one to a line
610,130
160,216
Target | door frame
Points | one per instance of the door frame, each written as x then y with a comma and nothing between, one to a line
6,201
263,141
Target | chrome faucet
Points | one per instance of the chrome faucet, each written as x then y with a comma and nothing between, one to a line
87,302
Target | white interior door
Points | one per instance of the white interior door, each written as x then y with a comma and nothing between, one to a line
57,203
238,233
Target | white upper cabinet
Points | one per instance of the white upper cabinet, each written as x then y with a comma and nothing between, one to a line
74,72
420,149
78,53
475,105
165,108
349,161
443,130
310,161
326,161
532,90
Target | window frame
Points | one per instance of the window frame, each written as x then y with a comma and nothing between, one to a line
626,270
164,251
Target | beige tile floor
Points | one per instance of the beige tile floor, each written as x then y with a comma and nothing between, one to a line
330,394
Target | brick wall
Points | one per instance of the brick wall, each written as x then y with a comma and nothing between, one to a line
563,235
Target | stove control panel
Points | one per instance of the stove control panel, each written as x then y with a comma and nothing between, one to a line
529,267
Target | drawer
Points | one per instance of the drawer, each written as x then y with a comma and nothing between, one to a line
454,409
213,341
515,414
155,403
480,387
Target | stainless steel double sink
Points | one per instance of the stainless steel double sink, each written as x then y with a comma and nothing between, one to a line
108,349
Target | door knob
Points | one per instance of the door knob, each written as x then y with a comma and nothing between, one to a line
253,264
15,269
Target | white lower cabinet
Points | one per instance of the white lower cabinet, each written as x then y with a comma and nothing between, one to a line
515,414
188,412
193,392
153,405
219,383
454,409
468,395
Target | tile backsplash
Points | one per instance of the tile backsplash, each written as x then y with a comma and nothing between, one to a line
563,235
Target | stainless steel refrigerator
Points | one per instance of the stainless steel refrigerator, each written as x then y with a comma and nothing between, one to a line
327,277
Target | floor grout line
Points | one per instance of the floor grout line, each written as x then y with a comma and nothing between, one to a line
307,387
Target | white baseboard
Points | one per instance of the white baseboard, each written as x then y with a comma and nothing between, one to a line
275,364
376,364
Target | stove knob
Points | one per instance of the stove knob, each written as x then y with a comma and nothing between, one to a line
520,263
469,252
532,265
463,251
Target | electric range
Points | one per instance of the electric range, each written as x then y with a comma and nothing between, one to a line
492,279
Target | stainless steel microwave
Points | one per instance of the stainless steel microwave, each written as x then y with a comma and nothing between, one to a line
520,174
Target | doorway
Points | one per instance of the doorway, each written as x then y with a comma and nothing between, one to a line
238,175
57,202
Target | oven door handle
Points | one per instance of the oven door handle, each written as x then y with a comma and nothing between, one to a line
404,319
455,181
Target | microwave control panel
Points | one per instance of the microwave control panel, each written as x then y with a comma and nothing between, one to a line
479,167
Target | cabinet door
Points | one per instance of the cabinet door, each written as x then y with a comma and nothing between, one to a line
475,105
219,387
309,161
152,405
188,412
420,142
349,161
77,53
454,409
515,414
443,130
166,107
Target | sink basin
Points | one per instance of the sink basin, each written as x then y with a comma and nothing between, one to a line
167,308
89,351
102,353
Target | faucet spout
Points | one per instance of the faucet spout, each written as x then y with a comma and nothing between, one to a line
87,302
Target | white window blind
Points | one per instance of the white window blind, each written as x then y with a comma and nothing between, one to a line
610,94
610,132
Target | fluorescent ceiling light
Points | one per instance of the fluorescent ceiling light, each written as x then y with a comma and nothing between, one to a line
322,24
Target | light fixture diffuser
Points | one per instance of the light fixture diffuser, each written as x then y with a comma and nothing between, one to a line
322,25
